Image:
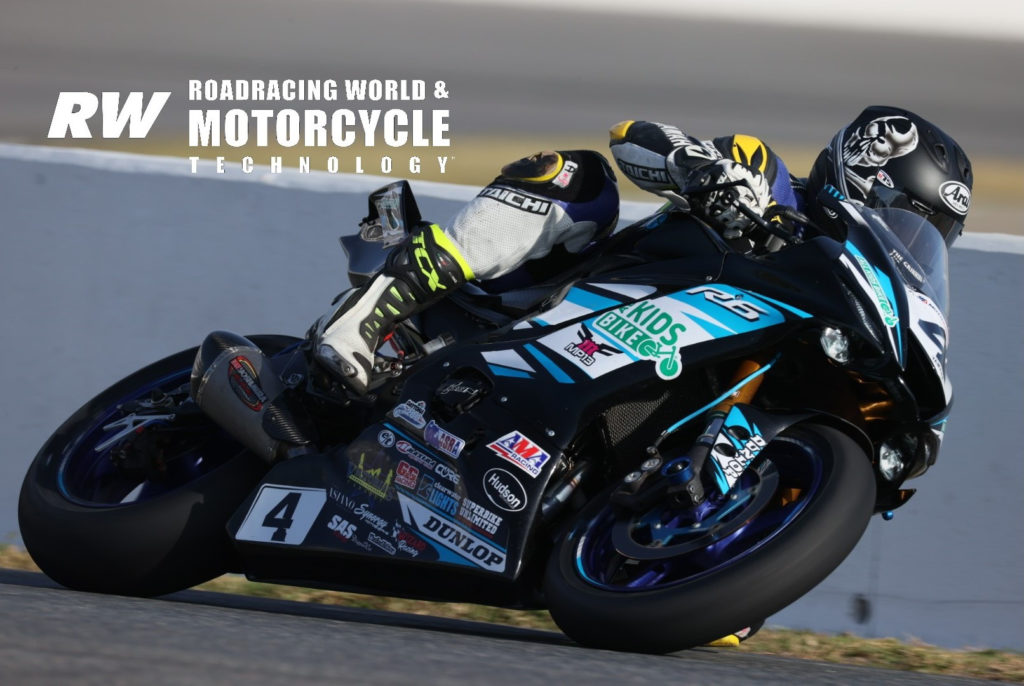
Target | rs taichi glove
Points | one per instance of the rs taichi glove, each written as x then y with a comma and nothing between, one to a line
720,207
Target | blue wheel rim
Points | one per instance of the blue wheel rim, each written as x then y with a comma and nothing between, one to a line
89,478
800,477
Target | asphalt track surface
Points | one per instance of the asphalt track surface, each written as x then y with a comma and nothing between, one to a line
63,637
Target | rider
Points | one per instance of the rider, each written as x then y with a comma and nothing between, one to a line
891,157
887,157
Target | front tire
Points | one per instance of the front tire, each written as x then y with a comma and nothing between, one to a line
600,598
90,532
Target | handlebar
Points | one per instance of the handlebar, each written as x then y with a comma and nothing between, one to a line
785,230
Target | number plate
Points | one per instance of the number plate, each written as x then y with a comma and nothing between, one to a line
282,514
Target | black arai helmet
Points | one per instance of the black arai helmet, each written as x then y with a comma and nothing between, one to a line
890,157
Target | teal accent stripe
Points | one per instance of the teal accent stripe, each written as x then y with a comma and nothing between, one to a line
590,301
719,399
498,370
778,303
551,367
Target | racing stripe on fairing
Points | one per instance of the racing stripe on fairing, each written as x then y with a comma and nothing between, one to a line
589,300
630,290
552,368
778,303
498,370
576,304
507,358
707,322
562,312
867,275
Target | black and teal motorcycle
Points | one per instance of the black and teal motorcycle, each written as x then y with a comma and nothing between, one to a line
662,443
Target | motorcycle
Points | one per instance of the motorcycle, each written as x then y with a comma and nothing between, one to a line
667,441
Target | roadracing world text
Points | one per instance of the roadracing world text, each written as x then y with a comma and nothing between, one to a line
299,124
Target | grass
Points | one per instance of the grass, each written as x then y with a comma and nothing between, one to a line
887,653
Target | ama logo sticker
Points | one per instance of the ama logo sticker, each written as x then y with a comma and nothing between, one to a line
521,451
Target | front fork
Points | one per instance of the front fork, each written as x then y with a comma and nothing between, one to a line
641,489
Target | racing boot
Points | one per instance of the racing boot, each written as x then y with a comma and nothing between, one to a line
418,273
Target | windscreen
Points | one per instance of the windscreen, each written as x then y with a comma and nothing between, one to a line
921,254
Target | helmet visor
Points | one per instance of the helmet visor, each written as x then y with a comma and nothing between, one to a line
948,225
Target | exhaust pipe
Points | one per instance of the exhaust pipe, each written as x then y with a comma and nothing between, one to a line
234,384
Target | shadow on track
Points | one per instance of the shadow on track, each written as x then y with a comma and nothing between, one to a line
319,611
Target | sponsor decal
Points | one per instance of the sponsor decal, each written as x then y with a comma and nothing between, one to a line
438,495
409,544
458,387
345,501
447,443
371,518
382,543
245,383
341,527
423,261
587,349
406,475
411,412
520,451
647,330
462,542
479,517
884,179
386,438
516,199
888,315
410,451
504,490
899,259
564,177
426,487
373,473
428,462
444,499
638,171
733,459
736,446
956,195
447,473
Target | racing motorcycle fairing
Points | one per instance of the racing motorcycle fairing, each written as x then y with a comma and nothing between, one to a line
455,473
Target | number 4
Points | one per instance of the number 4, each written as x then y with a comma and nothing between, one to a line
281,516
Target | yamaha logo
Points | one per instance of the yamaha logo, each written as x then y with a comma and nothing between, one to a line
956,195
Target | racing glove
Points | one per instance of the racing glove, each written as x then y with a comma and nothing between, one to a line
662,159
720,207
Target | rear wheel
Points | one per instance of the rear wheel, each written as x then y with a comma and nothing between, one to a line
136,505
672,578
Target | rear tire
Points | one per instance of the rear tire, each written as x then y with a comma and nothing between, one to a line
738,592
150,547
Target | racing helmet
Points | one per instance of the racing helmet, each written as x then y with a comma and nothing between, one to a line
891,157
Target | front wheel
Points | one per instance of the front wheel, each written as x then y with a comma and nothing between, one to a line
149,520
673,578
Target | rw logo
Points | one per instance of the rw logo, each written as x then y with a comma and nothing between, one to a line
75,108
